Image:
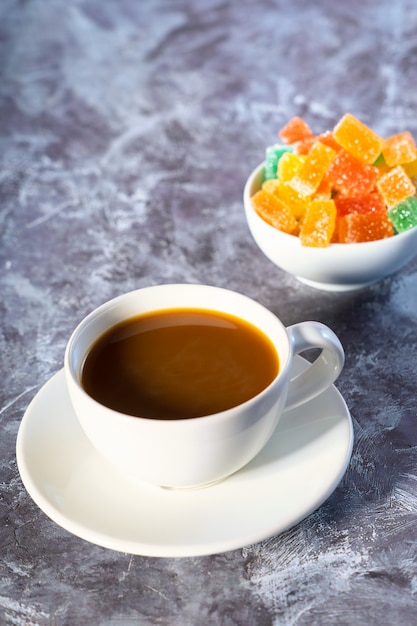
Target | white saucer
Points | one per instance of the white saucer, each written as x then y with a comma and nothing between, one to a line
79,490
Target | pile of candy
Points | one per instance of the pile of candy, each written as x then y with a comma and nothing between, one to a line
344,186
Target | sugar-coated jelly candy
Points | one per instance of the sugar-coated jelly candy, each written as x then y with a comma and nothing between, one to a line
273,211
289,165
295,130
317,162
358,139
349,176
270,185
304,146
324,190
292,199
404,215
361,227
395,186
287,195
328,139
368,203
318,225
343,186
411,170
272,157
399,149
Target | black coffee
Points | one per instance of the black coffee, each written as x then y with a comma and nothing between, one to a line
179,363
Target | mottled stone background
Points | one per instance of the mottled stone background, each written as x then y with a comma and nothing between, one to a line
127,130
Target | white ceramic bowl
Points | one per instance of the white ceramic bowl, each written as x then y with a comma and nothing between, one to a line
339,267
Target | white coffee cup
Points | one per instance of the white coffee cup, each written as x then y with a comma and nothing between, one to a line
186,453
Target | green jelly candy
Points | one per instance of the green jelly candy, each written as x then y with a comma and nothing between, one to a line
404,214
380,161
272,156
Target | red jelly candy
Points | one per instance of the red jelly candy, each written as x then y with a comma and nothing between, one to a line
295,130
350,177
368,203
304,146
328,139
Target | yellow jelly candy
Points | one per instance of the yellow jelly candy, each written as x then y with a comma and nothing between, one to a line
358,139
395,186
276,213
318,224
411,169
270,185
313,170
296,203
289,165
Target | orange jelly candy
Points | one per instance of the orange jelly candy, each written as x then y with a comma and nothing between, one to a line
314,169
295,130
324,190
273,211
399,149
358,139
319,223
395,186
361,227
349,176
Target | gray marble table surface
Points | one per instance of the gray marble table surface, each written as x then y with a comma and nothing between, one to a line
127,130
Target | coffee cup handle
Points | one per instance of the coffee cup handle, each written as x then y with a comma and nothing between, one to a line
320,374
